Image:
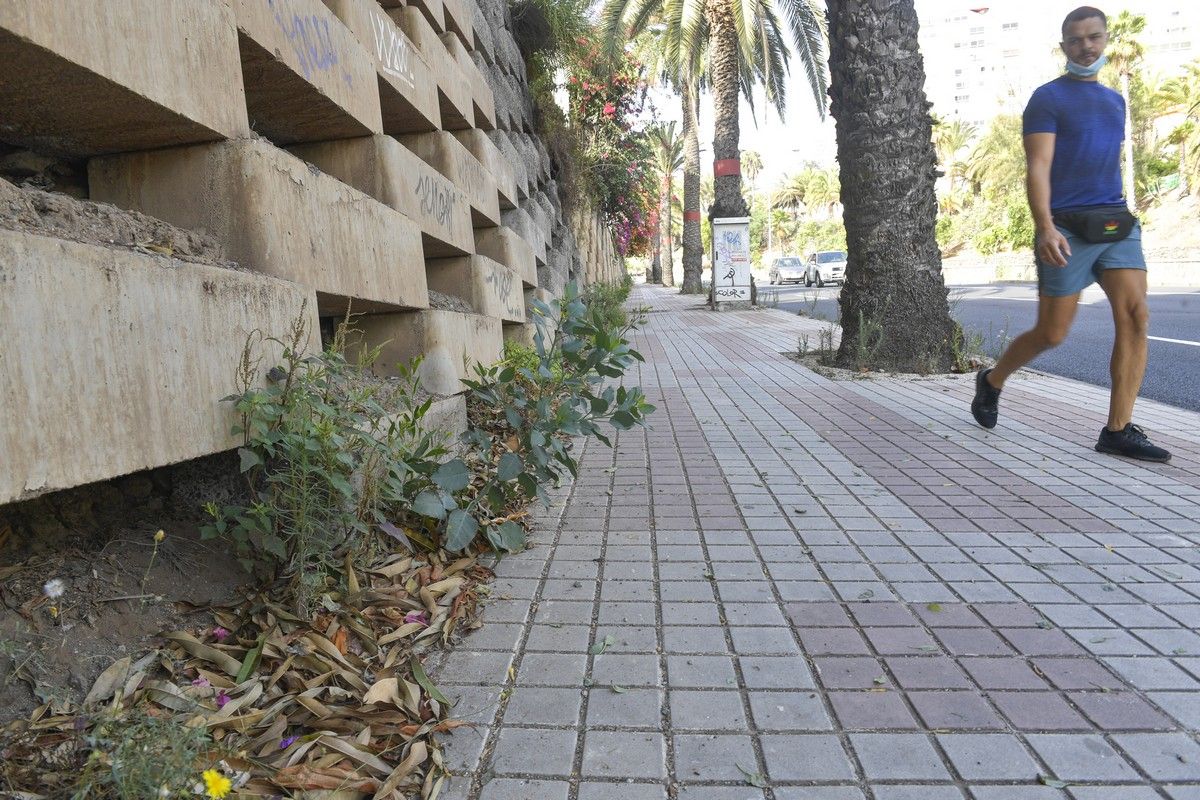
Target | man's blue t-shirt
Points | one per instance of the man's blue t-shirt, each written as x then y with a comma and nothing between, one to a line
1088,120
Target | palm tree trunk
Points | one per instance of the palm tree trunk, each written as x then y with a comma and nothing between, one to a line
724,60
654,268
1130,185
693,247
664,227
894,310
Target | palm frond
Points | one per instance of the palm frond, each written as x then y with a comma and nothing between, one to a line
808,34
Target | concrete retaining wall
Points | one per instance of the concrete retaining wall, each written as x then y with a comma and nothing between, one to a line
351,153
121,358
292,221
71,87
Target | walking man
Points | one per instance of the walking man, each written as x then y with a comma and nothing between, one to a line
1073,129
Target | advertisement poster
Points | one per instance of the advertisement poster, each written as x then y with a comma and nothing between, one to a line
731,259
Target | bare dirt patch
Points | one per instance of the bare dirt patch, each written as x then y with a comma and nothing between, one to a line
114,603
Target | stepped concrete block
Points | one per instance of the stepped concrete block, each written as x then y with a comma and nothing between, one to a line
391,173
449,156
432,10
513,159
408,95
482,32
524,226
507,247
486,152
120,358
523,333
454,89
449,342
106,76
307,77
459,21
446,415
491,288
483,103
275,214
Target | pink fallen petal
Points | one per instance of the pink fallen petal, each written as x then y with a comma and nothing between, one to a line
416,616
220,634
222,699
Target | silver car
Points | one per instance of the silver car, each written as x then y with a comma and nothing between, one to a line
827,266
786,269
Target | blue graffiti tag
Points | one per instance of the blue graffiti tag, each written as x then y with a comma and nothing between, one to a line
310,39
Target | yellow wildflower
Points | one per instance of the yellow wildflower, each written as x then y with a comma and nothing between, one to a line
216,785
160,535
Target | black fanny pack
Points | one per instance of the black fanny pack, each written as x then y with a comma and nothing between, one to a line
1098,225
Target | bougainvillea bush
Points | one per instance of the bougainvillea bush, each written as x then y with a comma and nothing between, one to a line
607,98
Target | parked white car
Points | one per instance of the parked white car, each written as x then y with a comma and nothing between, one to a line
827,266
786,269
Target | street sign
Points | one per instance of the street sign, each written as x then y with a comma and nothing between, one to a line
731,259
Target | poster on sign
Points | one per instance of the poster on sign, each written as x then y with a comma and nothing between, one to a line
731,259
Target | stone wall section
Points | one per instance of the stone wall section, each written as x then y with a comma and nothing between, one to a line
335,156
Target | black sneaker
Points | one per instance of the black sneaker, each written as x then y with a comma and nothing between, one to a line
986,405
1130,442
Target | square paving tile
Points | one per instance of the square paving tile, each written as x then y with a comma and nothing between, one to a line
1039,711
538,706
763,641
927,672
775,672
1121,711
988,756
901,641
872,710
1077,673
788,711
1163,756
839,672
955,711
709,757
898,756
972,642
624,755
1080,757
631,708
626,669
524,789
1003,673
707,710
809,757
534,751
832,641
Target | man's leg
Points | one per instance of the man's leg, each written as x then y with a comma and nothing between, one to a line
1126,290
1055,315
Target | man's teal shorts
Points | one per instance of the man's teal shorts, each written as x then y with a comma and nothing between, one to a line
1087,261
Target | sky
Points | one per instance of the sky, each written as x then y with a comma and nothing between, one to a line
801,136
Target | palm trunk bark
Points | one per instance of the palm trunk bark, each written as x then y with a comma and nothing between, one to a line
724,60
664,229
655,266
693,247
1130,184
894,308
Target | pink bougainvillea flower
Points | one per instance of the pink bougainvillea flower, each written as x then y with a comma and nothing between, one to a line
201,682
288,742
220,634
222,699
609,109
416,616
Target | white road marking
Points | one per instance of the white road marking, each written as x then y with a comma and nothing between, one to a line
1173,341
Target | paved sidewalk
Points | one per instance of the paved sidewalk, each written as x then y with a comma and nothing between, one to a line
796,588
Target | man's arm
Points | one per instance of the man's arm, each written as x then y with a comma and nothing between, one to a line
1052,247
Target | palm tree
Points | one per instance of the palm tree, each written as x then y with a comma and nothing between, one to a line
744,41
1181,94
668,153
894,307
823,191
752,165
997,162
950,139
1125,54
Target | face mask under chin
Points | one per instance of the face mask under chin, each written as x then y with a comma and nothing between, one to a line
1090,71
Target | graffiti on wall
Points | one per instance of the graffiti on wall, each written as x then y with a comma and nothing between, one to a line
393,49
311,41
437,200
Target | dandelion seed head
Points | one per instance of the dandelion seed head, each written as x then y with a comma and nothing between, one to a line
54,588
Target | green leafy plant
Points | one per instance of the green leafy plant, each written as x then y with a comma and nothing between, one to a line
524,413
329,453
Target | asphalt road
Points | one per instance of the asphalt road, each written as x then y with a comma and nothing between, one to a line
999,312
